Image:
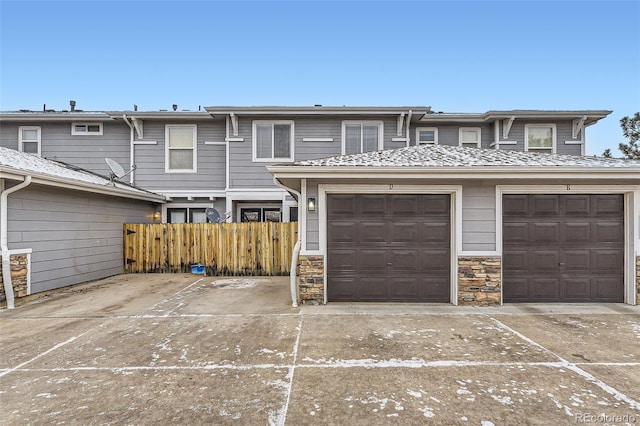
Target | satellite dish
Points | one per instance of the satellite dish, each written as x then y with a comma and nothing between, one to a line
116,168
212,215
117,171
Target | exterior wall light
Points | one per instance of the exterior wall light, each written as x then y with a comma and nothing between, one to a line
311,204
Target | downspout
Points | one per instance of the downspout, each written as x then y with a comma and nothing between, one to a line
6,257
409,127
131,148
296,249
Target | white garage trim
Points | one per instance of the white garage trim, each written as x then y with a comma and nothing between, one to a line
631,221
456,217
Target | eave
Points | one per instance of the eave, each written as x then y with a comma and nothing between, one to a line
54,116
162,115
316,110
11,173
592,116
458,172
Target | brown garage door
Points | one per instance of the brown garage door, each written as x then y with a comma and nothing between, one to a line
388,248
563,248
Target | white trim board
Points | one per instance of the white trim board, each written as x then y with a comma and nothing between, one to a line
317,139
456,218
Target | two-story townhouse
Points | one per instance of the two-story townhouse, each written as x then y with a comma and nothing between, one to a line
394,203
442,221
217,157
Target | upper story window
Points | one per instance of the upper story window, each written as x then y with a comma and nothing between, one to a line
361,136
470,137
540,138
180,148
427,135
273,140
86,128
29,139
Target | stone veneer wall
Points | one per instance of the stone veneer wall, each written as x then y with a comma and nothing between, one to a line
19,274
311,278
479,280
637,280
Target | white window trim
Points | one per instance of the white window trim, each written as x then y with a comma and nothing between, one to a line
254,150
380,125
168,206
469,129
435,135
554,143
87,133
21,140
194,127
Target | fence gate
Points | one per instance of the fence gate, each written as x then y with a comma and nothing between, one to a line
256,248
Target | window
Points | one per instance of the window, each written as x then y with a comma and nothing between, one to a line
470,137
427,135
187,215
29,139
180,151
260,214
361,136
86,128
540,138
272,140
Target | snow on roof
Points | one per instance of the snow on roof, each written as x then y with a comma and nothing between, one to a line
453,156
33,164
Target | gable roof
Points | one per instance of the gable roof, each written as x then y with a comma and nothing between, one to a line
442,161
454,156
17,165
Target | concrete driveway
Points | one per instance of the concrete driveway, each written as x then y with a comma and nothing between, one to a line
180,349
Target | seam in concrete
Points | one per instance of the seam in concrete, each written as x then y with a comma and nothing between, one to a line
573,367
59,345
282,418
166,299
369,364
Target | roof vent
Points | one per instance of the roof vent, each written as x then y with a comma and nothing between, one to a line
175,107
73,105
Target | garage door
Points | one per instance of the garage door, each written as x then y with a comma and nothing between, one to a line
563,248
388,248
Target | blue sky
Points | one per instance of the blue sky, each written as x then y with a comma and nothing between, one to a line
455,56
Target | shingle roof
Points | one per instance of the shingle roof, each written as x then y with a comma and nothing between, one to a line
12,160
453,156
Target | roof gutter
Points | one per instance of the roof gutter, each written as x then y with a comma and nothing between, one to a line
460,171
11,173
6,256
296,249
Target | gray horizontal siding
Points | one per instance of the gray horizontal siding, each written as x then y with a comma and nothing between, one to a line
478,218
564,130
9,135
449,134
87,152
75,236
244,173
313,224
211,159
